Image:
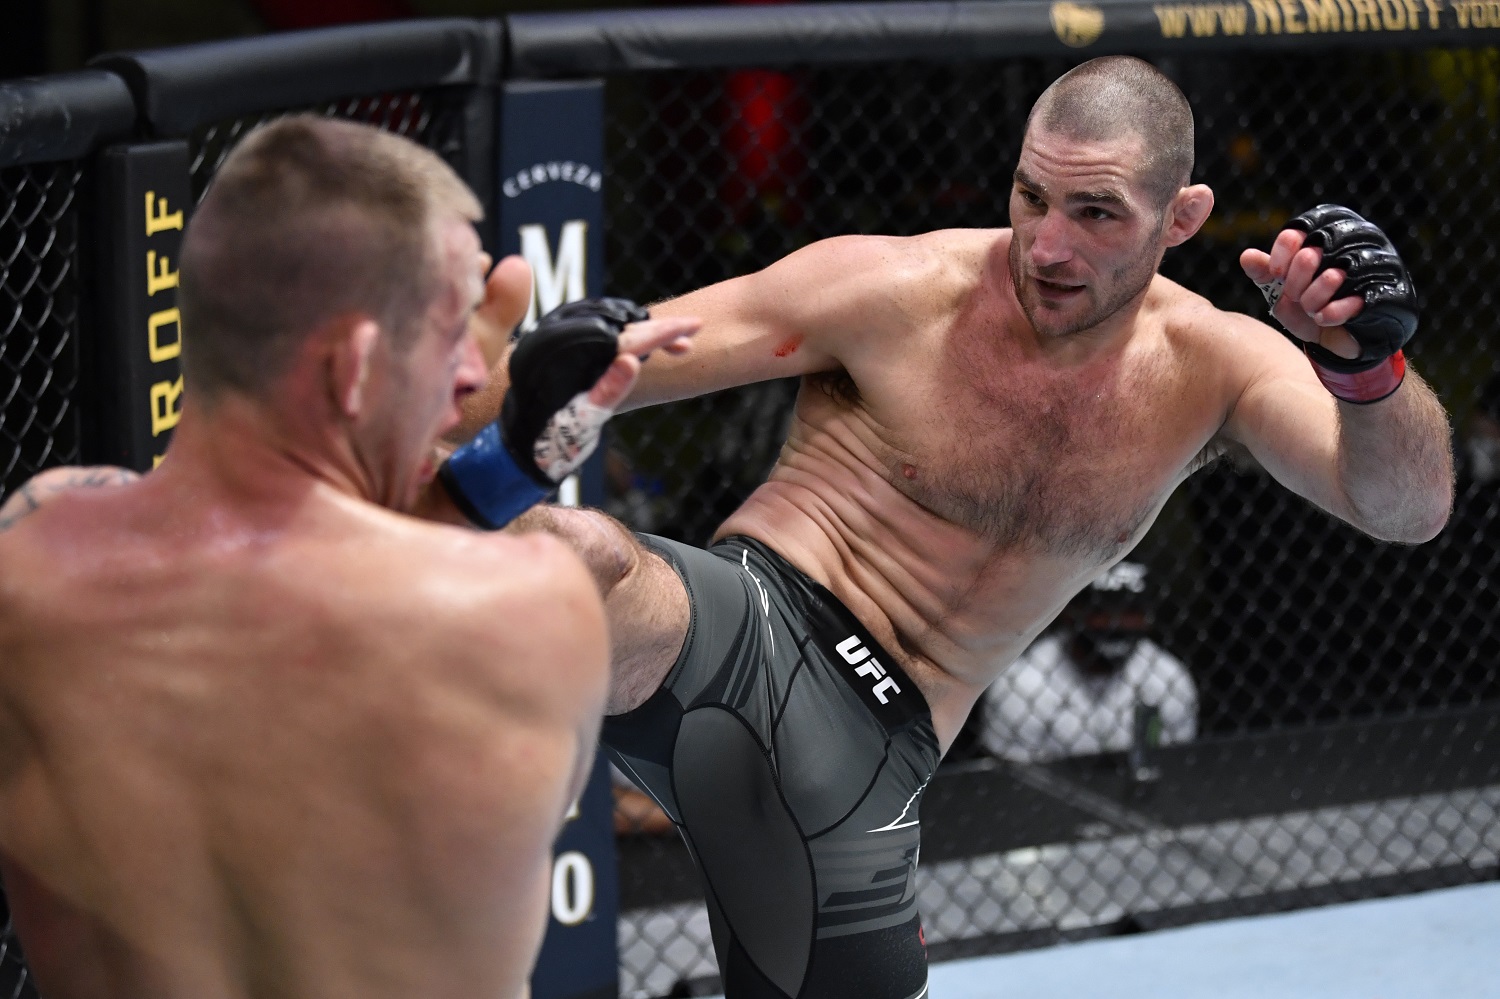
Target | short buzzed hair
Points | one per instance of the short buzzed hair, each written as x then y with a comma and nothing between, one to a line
306,220
1114,96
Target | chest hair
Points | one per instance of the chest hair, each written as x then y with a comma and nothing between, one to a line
1071,468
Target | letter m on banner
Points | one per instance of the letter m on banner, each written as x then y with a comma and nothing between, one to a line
551,205
557,277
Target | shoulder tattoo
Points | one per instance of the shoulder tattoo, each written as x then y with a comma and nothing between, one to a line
40,488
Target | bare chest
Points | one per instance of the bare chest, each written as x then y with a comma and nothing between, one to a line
1071,465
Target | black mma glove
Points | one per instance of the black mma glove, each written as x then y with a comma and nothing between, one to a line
547,426
1375,272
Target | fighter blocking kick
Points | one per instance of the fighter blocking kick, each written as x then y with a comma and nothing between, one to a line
988,419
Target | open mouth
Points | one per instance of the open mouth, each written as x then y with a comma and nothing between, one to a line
1057,291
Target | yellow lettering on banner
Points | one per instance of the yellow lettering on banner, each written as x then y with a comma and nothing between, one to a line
164,351
1434,8
1323,15
1173,20
158,276
160,221
1202,17
1291,18
1366,15
1232,18
166,406
1267,17
1478,14
1392,15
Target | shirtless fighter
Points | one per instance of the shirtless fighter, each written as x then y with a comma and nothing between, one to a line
988,420
260,736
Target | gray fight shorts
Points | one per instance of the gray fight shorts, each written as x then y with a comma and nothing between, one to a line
791,751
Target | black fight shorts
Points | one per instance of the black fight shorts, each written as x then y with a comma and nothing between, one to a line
791,751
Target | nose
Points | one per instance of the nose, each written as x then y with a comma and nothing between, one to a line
472,373
1049,241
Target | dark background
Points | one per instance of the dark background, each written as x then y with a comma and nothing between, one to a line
44,36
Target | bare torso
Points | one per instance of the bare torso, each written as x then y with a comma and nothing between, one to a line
957,490
245,757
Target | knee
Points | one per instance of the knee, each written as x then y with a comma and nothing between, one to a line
604,544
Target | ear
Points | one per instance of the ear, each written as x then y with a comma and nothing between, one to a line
1187,213
352,359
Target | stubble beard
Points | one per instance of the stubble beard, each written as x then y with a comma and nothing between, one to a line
1125,283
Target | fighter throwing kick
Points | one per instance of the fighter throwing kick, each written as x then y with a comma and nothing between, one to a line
988,419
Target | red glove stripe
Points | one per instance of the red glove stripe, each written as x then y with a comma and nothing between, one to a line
1370,385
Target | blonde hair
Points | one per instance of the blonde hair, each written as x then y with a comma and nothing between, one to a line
308,219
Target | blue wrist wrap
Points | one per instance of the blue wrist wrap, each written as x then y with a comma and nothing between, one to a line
486,484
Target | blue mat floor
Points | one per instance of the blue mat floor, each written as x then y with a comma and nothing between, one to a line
1437,945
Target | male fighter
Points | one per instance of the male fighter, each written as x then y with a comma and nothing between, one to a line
988,420
259,736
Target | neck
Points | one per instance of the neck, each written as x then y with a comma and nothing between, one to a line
247,450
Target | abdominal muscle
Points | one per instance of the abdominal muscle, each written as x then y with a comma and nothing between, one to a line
954,607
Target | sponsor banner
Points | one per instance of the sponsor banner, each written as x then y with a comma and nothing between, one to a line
603,42
146,199
551,211
551,205
1119,26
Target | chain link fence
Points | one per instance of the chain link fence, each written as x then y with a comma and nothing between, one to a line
1301,714
39,296
429,118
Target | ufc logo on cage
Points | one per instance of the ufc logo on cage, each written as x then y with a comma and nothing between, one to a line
854,654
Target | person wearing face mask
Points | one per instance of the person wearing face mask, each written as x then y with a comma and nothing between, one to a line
1079,688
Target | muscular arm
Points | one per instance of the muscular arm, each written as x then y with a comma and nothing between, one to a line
828,305
814,310
1384,467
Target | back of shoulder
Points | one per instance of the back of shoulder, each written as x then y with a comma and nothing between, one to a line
528,594
43,488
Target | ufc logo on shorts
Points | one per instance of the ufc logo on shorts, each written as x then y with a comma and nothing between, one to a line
854,654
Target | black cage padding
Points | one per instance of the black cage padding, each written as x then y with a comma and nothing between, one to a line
180,89
62,117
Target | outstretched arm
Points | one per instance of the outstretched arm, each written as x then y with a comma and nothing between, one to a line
1353,429
830,304
823,307
814,310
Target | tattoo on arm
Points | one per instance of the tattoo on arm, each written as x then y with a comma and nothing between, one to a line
43,487
20,505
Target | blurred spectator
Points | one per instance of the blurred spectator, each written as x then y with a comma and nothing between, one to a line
1078,688
1480,452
